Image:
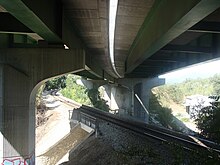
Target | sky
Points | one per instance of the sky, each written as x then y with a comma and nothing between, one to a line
204,70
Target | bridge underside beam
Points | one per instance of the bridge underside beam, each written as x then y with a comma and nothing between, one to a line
46,18
46,25
206,27
162,26
12,25
187,49
167,62
43,63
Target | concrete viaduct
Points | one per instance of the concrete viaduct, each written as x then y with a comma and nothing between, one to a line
43,39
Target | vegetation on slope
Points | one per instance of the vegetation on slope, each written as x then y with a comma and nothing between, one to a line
208,119
40,108
160,113
56,83
75,91
69,88
178,92
208,122
97,101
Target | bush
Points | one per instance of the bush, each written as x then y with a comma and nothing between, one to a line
96,100
208,121
74,91
163,114
56,83
40,108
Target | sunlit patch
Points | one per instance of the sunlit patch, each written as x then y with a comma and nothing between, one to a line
199,142
112,19
65,46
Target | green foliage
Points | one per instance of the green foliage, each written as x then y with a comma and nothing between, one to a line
216,84
208,122
74,91
178,92
56,83
40,108
97,101
208,118
163,114
38,96
170,92
185,119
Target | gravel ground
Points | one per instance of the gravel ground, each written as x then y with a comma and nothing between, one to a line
117,146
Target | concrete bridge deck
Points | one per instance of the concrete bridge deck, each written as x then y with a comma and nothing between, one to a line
44,39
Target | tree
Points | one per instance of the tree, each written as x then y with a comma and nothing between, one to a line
97,101
74,91
216,84
56,83
159,113
208,121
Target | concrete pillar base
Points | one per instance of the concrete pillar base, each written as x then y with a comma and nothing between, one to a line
17,121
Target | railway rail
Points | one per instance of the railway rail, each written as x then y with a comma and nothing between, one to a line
188,142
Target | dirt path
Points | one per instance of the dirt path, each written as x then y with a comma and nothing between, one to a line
56,127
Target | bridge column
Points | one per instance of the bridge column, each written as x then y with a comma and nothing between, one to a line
17,121
138,95
118,98
21,73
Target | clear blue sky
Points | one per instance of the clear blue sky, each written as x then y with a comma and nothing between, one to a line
204,70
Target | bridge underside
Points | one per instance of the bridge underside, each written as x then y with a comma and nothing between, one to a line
43,39
149,38
194,38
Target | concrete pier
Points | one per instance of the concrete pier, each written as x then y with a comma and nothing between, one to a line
22,71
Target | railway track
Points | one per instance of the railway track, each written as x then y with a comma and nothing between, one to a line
188,142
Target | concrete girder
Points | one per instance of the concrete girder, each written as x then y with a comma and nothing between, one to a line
162,26
26,14
187,49
45,18
40,63
12,25
206,27
50,62
152,68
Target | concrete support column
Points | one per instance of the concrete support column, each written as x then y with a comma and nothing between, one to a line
21,70
138,95
17,122
118,99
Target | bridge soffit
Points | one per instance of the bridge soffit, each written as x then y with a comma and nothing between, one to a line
162,26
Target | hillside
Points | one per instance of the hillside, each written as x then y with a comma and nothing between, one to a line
167,102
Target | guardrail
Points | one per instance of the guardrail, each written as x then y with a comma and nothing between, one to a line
88,120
